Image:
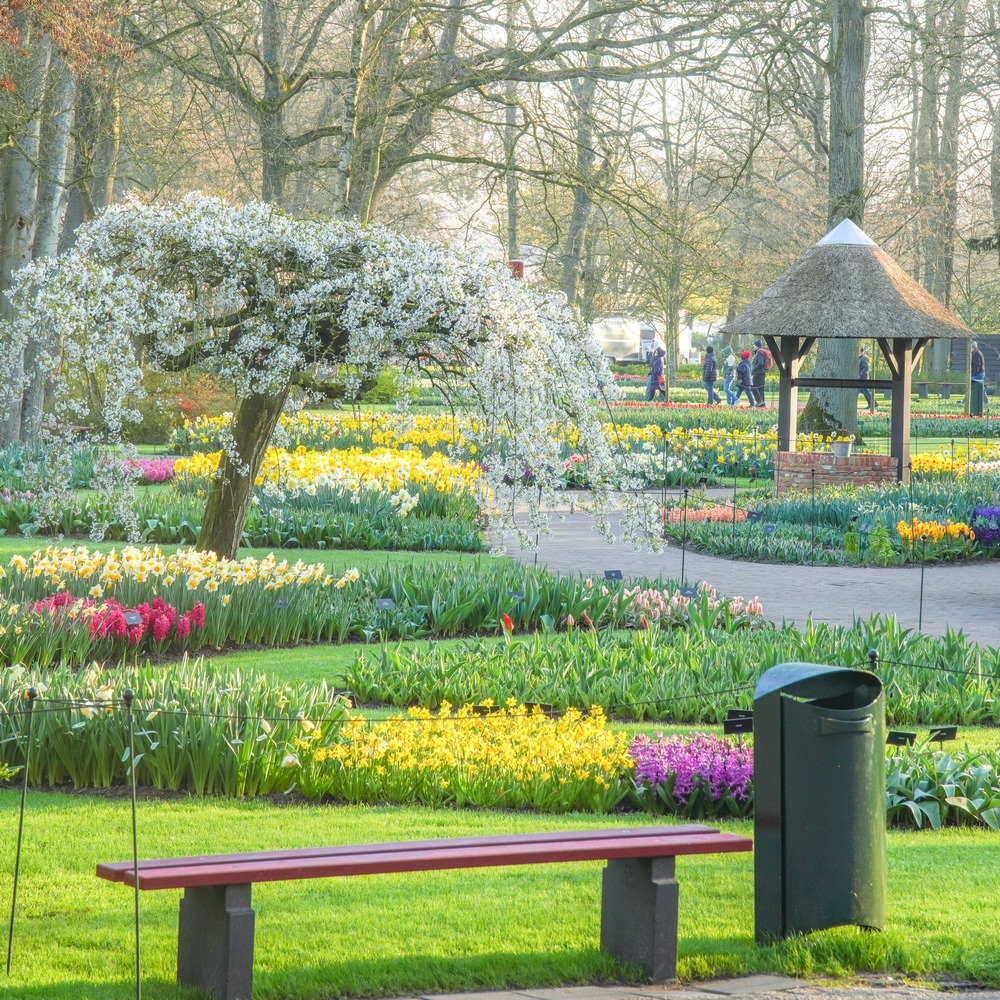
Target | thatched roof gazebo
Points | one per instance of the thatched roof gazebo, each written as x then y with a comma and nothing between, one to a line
847,287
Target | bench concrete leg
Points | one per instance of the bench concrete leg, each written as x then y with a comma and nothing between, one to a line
215,941
639,914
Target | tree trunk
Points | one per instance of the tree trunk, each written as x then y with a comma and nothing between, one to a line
510,161
837,409
583,204
21,216
273,139
995,177
232,489
54,160
954,78
373,106
96,149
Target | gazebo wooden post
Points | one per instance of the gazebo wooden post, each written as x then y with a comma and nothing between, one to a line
787,359
788,354
902,355
899,422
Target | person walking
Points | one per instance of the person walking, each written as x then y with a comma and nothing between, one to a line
757,372
864,372
729,378
979,370
710,375
657,380
743,378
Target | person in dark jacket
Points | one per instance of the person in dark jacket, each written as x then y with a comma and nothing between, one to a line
979,369
757,372
657,380
743,379
710,374
864,372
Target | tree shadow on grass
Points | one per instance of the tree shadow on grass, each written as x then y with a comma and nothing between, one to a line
411,975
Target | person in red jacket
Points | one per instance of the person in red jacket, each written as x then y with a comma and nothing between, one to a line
743,383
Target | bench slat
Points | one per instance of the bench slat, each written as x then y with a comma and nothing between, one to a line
115,871
438,859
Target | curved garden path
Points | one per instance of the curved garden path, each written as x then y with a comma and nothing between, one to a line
963,596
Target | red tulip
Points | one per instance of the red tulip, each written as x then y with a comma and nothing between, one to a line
507,623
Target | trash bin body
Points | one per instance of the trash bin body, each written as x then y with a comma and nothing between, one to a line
976,398
819,800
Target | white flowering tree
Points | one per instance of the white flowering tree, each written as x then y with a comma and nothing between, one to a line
274,302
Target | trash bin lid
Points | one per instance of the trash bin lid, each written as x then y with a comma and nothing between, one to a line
815,680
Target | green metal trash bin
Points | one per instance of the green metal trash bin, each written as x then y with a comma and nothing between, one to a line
976,391
819,800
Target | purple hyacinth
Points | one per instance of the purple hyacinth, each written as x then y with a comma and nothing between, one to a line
726,768
985,523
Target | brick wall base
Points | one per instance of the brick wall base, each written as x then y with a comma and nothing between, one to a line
793,470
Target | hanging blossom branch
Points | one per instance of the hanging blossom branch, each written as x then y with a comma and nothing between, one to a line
271,302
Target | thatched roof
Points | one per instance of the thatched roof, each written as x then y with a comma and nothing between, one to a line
847,287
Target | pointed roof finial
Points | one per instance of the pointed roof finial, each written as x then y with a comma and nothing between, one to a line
846,234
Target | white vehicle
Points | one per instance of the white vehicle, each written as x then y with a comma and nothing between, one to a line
624,338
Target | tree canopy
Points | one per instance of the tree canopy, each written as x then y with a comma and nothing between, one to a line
278,304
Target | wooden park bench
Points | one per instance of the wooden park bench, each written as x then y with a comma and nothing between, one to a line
638,902
923,389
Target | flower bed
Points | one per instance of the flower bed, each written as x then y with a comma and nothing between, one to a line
72,630
685,675
986,525
845,525
151,470
53,598
700,777
509,757
319,431
394,473
945,538
206,731
677,515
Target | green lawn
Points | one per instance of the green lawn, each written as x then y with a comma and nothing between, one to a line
439,932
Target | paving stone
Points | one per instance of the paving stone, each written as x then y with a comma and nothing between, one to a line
583,993
486,995
750,984
954,594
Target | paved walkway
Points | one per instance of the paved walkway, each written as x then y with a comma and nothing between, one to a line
749,987
961,596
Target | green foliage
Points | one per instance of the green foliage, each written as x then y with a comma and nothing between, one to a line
925,786
332,519
199,729
22,466
847,525
385,390
686,675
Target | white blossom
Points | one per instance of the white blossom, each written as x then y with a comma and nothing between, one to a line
266,298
